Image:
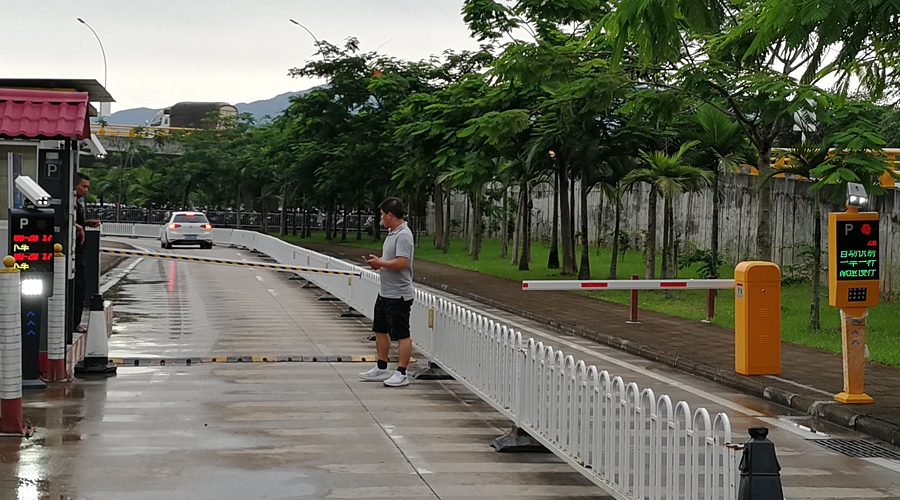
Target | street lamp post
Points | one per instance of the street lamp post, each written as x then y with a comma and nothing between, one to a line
318,44
102,51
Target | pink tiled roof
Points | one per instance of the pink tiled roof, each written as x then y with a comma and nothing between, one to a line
43,114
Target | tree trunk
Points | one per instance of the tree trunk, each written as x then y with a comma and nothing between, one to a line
438,216
283,226
650,247
524,200
448,227
504,224
553,260
614,264
477,223
668,243
565,217
467,219
572,207
293,222
264,222
344,225
764,222
714,237
329,215
517,232
817,267
584,271
667,239
238,208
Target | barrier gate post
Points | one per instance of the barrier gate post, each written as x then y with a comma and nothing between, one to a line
56,320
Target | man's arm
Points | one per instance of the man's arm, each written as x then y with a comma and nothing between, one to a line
404,252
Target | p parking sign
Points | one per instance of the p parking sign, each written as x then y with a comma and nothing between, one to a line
854,259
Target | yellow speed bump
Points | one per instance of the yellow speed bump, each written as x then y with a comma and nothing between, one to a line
226,262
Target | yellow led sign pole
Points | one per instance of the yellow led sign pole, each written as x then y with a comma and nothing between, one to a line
853,260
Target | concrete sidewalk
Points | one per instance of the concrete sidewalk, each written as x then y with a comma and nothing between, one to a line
809,379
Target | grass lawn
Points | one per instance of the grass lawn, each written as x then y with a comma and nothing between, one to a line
883,333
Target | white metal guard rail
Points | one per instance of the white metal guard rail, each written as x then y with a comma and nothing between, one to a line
633,443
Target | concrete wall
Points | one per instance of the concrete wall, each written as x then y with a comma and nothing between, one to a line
793,220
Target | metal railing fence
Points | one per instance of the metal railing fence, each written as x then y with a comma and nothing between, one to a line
630,441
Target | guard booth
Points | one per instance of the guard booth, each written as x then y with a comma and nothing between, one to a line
45,135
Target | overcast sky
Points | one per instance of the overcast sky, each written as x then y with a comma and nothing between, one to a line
160,52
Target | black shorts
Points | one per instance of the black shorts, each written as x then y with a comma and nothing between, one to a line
392,317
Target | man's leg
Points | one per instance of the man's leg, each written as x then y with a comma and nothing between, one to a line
78,295
382,348
404,351
379,372
400,332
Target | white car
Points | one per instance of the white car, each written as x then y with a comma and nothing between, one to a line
186,228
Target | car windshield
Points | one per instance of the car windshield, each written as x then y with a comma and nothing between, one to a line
198,218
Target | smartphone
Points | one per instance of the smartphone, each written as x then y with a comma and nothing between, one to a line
365,258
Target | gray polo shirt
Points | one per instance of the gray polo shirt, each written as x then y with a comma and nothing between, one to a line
398,284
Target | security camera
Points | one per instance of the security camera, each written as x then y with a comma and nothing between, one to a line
33,192
856,195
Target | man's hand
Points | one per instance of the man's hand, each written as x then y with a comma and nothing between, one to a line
92,223
80,232
374,262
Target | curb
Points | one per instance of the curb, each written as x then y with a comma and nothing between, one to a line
829,411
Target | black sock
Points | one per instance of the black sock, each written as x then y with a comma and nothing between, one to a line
402,370
382,365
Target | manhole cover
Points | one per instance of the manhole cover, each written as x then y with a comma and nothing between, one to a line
857,448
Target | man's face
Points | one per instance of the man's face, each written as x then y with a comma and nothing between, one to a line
385,218
81,190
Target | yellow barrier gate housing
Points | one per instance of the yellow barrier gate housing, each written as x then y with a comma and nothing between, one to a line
757,318
207,260
853,260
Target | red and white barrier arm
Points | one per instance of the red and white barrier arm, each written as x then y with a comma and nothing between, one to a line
544,285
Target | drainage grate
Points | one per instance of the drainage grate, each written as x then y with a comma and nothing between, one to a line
857,448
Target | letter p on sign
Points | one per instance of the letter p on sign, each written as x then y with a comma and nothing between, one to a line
23,222
847,228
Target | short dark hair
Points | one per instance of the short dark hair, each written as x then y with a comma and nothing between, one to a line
81,177
393,206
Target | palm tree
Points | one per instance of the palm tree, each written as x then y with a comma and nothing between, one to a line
801,160
720,138
670,176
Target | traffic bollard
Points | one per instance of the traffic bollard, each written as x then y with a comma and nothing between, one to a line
760,478
56,320
11,422
96,357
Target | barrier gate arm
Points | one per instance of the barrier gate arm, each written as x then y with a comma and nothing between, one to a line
227,262
700,284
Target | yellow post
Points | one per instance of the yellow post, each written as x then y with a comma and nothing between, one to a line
853,260
757,318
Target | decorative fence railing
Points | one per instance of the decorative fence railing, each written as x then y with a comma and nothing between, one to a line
630,441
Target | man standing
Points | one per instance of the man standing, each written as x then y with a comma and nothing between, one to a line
82,186
395,297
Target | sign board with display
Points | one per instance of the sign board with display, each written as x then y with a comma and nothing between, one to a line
32,235
854,258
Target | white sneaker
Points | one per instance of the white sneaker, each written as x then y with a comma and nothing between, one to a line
375,374
397,380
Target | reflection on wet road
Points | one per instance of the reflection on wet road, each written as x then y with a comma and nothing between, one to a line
258,430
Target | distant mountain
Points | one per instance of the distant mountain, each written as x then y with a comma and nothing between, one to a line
135,116
259,109
269,107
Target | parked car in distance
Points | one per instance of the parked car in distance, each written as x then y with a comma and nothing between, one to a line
186,228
